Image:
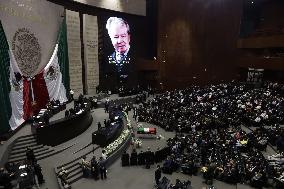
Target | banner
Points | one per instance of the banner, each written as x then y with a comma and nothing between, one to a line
90,31
74,51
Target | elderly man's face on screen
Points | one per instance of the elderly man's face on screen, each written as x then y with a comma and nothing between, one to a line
120,38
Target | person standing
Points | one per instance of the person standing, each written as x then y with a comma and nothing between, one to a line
99,125
107,105
38,173
30,155
104,155
102,165
158,175
95,168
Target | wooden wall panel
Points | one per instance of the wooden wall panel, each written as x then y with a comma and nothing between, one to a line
198,43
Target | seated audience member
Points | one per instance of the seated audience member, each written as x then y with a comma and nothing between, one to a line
72,112
46,118
81,99
168,166
94,102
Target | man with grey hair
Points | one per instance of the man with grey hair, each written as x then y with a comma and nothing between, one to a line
119,33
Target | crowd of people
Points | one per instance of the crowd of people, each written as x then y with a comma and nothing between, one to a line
223,104
209,134
27,173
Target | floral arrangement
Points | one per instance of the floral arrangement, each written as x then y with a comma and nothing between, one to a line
117,143
124,135
137,142
127,120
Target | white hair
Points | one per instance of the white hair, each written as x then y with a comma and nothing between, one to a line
116,21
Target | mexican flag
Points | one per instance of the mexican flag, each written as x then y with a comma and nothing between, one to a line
56,72
61,51
20,96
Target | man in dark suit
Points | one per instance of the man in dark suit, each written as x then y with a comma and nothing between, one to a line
38,173
148,158
125,159
102,167
95,168
119,33
30,155
133,158
141,158
158,175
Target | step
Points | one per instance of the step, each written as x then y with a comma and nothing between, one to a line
24,153
80,176
74,174
46,155
74,168
25,142
44,152
24,139
16,160
16,147
24,150
26,136
77,159
72,165
37,155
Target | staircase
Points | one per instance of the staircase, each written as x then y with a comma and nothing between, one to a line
73,168
20,145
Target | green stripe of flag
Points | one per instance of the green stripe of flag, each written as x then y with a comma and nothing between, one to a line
63,56
5,88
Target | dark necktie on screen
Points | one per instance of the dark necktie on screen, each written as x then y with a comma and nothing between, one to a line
119,57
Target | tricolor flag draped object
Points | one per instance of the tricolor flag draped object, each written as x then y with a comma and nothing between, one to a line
146,131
